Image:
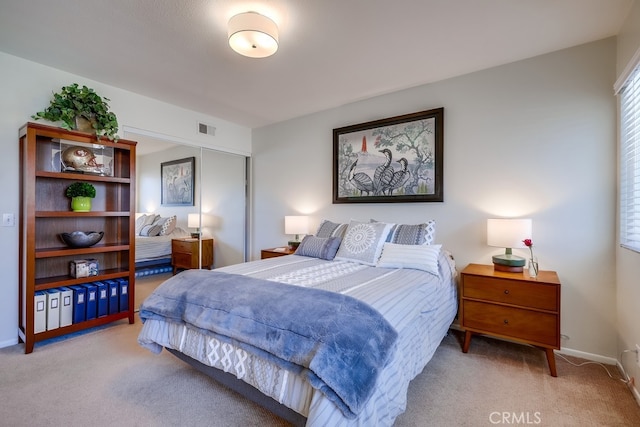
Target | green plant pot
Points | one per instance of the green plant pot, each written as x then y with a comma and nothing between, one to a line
81,204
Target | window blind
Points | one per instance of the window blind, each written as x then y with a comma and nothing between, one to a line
630,161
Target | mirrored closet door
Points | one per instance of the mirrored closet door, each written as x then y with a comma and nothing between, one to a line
204,190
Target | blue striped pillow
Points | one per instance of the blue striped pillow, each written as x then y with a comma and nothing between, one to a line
319,247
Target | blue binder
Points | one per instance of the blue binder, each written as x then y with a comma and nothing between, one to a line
123,293
91,300
112,287
79,303
103,298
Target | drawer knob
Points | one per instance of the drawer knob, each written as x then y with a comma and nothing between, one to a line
506,291
506,321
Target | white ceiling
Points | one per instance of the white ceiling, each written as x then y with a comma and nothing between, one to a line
331,52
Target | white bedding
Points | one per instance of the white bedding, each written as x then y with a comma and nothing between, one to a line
419,305
148,248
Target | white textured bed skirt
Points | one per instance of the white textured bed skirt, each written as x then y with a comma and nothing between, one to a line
292,390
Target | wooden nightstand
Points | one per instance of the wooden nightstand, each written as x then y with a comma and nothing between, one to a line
185,251
274,252
512,306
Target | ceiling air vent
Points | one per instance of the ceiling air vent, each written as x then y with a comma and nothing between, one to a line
206,129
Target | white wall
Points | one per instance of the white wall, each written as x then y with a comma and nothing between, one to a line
26,88
628,262
534,138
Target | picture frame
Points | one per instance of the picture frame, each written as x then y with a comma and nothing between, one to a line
397,159
177,178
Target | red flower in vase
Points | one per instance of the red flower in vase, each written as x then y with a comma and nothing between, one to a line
528,243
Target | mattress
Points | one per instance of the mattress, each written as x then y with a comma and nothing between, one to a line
150,248
420,306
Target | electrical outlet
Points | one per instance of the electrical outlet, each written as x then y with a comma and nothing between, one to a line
638,355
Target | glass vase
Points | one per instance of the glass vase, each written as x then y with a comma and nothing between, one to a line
533,267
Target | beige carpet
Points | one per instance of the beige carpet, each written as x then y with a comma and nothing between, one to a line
104,378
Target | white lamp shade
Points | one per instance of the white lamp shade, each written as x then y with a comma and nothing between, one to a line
193,220
296,224
508,232
253,35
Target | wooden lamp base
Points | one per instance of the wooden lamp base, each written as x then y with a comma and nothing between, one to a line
507,268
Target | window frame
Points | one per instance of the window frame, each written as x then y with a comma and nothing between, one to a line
628,90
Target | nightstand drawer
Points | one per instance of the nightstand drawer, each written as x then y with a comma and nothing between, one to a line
526,294
531,326
185,246
184,259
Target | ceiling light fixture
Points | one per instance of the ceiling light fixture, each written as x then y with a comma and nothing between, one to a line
253,35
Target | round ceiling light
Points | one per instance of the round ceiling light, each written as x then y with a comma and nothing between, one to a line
253,35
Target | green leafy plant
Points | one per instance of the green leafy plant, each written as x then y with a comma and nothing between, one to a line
81,189
74,101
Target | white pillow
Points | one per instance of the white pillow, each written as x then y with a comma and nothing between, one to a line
362,242
417,257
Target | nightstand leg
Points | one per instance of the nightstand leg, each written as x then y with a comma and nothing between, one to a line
467,341
551,359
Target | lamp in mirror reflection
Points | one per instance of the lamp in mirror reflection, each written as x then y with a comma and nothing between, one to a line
193,221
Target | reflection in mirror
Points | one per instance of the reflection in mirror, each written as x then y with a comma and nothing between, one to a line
215,215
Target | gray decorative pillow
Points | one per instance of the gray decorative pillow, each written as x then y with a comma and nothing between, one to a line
413,234
149,231
147,220
168,226
331,229
362,242
319,247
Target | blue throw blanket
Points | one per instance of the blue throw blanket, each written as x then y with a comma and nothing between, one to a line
344,343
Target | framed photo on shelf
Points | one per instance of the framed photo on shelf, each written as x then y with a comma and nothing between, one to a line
398,159
177,182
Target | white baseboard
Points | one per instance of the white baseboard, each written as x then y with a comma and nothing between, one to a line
588,356
634,391
631,384
8,343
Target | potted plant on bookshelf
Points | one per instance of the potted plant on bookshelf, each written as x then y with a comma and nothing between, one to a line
81,194
81,108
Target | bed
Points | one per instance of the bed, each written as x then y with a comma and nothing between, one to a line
317,337
153,243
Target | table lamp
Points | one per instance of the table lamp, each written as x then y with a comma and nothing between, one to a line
508,233
296,225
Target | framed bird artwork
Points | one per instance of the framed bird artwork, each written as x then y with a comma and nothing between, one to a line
398,159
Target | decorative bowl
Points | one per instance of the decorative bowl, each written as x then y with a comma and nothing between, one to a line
82,239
